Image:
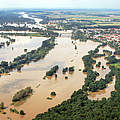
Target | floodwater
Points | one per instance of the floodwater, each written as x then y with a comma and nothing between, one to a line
37,20
22,42
64,55
24,15
17,48
106,93
110,87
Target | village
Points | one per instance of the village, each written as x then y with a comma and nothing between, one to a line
112,35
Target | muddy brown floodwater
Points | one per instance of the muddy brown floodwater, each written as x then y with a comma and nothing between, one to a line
64,55
110,87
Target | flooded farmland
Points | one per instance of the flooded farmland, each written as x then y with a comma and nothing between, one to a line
64,55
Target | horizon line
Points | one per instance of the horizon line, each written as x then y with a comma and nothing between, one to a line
61,8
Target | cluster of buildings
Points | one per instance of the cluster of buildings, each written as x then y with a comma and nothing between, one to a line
105,34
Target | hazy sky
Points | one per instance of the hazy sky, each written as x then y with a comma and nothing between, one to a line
60,4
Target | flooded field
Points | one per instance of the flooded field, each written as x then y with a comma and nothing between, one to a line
106,93
64,55
110,87
17,48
